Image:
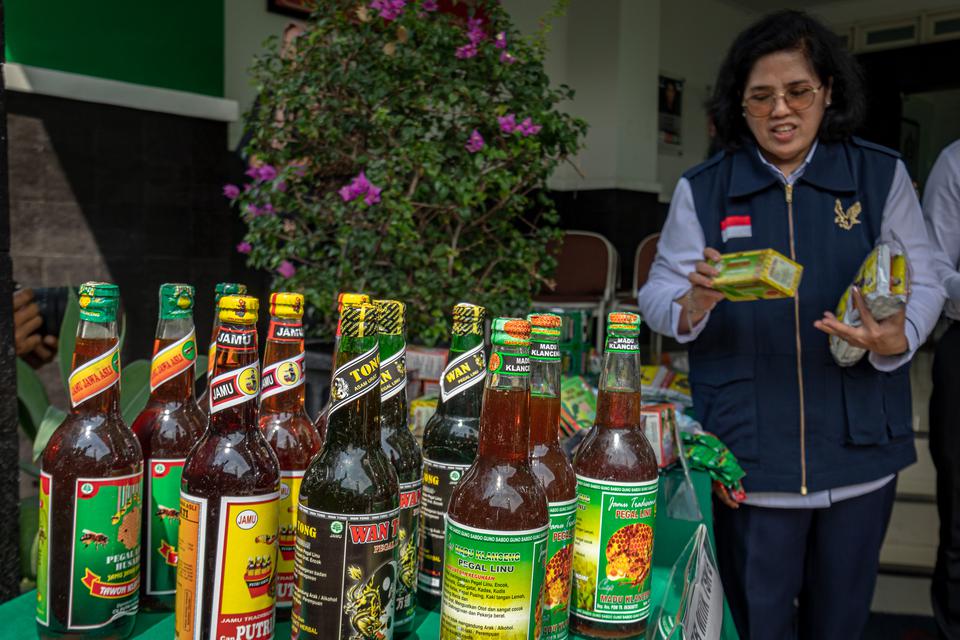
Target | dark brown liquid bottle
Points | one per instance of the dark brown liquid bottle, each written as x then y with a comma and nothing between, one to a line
349,512
222,289
286,426
91,472
167,429
229,499
342,299
498,522
402,450
554,471
616,499
450,443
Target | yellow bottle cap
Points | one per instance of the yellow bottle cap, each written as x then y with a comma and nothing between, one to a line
239,309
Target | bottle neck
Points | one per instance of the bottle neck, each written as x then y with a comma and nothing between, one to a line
235,383
170,332
284,342
505,420
618,400
544,396
96,365
393,383
353,418
468,403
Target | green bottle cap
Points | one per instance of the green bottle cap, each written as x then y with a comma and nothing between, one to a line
545,327
176,300
99,301
391,314
228,289
514,332
358,320
468,319
623,323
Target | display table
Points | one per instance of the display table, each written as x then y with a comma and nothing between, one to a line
671,536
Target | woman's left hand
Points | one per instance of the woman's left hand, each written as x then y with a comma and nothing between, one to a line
884,337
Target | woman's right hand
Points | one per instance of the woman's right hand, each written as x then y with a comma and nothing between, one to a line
701,298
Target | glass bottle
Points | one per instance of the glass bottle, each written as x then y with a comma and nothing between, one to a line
450,443
498,520
617,499
342,299
349,512
222,289
402,450
554,471
286,426
167,428
91,472
229,499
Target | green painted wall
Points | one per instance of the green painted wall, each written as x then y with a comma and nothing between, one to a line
175,45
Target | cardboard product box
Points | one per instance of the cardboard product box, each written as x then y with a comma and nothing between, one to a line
421,410
424,363
660,427
763,274
573,359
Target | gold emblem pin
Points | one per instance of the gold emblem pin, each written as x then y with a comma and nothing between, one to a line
846,219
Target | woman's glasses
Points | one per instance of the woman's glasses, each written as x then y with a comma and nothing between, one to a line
762,103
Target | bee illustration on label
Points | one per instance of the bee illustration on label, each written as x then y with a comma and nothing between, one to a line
167,513
98,540
340,389
266,538
368,601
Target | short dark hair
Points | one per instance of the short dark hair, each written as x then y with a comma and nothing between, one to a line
789,31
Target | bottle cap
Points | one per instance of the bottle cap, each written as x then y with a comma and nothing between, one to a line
228,289
513,332
286,305
623,323
346,298
176,300
468,319
545,327
391,314
99,301
358,320
238,309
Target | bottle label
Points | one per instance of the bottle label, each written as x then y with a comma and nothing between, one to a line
408,539
287,541
173,360
492,582
96,376
285,331
211,358
393,375
43,551
240,340
105,562
509,364
439,479
346,575
234,387
464,372
163,501
623,344
544,351
557,580
354,379
282,376
242,606
613,549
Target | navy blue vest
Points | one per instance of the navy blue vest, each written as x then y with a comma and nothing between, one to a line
744,368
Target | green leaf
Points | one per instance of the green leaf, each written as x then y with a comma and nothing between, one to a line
52,418
29,527
68,335
32,398
134,389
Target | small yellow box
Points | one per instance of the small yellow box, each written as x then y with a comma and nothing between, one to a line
763,274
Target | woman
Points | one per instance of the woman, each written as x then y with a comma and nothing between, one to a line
821,444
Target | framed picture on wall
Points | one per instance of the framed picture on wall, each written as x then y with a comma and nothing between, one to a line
293,8
669,116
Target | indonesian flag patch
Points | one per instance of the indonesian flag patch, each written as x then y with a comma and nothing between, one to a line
735,227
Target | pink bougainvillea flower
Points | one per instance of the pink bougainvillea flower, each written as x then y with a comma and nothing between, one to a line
508,123
253,210
500,41
244,248
252,172
266,173
475,143
231,191
347,193
267,209
286,269
373,195
468,50
360,186
507,58
281,186
527,128
389,10
429,5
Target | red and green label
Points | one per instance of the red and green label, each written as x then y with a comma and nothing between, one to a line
557,580
613,549
105,557
163,500
492,583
